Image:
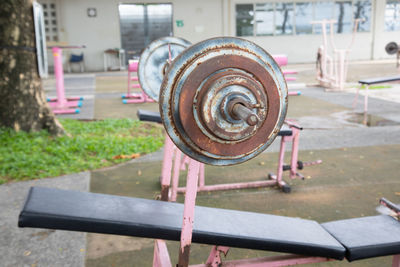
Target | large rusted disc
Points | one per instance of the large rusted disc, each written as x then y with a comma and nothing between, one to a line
153,63
223,100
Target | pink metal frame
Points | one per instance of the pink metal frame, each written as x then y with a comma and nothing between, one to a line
365,102
61,104
132,98
173,157
282,60
161,256
194,182
294,166
334,69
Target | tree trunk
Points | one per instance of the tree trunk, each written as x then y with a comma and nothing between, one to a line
23,104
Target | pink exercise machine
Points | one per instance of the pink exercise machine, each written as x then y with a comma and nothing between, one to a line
282,60
62,104
132,98
332,70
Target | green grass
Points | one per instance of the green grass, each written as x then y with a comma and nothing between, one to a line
89,145
375,87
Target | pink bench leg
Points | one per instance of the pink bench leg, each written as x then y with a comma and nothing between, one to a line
166,168
396,261
161,256
188,213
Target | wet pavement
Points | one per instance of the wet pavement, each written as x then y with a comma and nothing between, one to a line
360,165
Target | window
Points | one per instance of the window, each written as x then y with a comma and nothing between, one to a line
343,17
264,19
286,18
362,10
303,17
140,24
50,20
392,15
244,20
322,10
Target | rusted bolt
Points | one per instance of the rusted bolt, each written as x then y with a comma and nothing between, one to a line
242,112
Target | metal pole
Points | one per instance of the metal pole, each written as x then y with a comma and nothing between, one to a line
188,213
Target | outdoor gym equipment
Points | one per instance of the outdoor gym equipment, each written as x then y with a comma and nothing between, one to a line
174,162
282,60
367,83
356,238
132,98
152,65
394,48
172,156
62,104
332,70
154,62
223,101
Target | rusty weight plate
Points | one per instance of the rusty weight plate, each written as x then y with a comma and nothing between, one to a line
207,92
153,63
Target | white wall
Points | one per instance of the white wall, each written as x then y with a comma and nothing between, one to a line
97,33
201,21
205,19
382,38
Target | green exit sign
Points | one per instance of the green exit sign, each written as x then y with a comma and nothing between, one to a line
179,23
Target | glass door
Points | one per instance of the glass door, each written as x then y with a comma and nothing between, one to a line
143,23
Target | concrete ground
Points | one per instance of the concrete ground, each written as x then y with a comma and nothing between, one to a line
359,166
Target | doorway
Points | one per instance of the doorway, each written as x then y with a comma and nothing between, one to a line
141,24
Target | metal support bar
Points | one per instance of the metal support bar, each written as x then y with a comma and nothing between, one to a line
396,261
166,168
188,213
275,261
161,256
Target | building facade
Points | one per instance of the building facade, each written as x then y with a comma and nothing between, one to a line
279,26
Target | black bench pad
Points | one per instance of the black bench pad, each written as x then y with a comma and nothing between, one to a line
146,115
367,237
98,213
380,80
285,131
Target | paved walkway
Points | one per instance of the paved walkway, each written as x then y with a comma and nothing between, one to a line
359,166
38,247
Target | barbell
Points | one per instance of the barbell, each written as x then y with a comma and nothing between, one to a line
392,48
155,60
223,100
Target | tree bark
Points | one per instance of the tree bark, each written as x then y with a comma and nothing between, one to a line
23,105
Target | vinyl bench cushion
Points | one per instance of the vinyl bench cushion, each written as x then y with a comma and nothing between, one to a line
380,80
146,115
367,237
90,212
